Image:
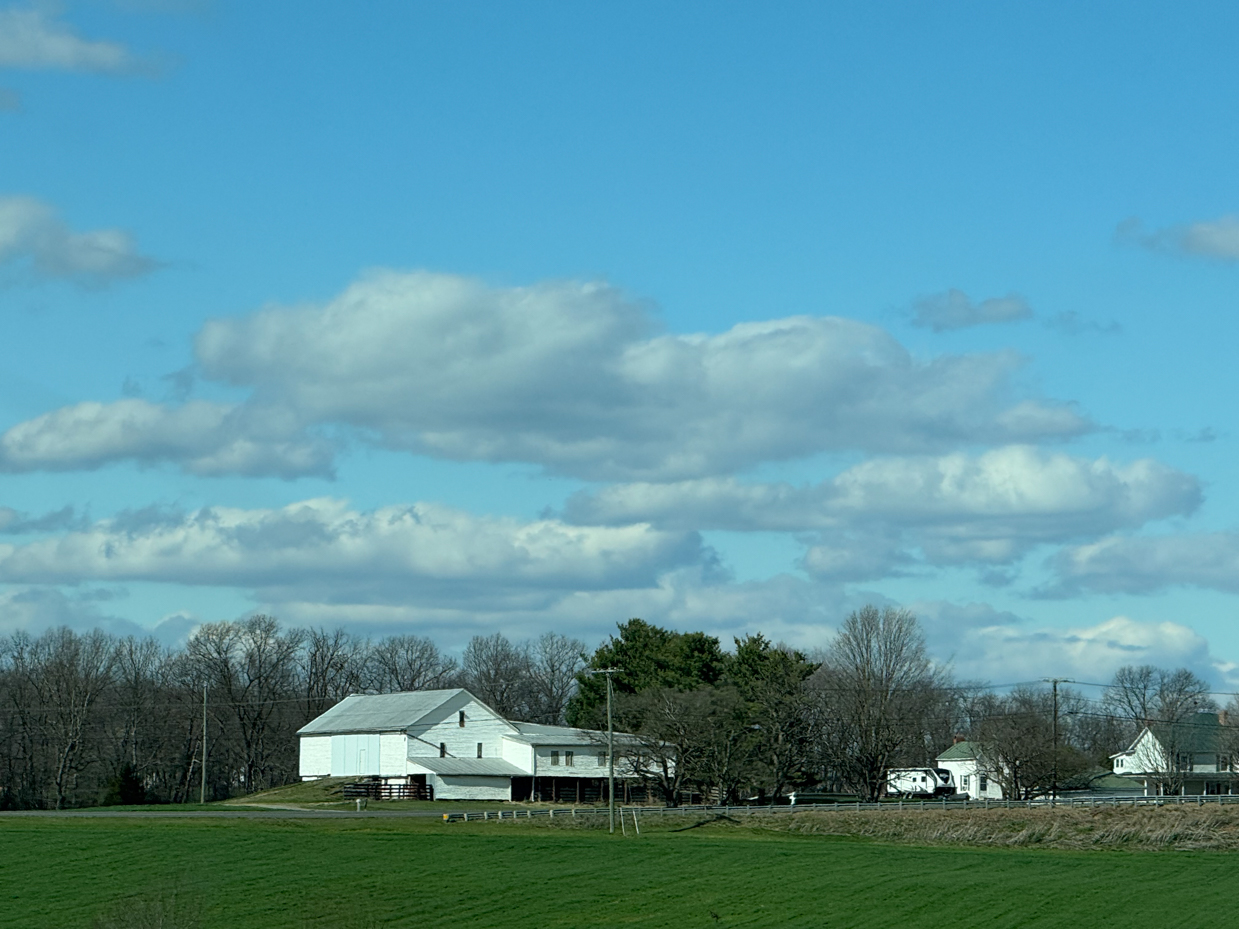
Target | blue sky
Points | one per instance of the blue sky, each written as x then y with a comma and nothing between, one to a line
462,318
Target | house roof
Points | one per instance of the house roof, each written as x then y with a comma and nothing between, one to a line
379,712
1199,733
484,767
960,751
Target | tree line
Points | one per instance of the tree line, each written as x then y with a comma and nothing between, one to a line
88,718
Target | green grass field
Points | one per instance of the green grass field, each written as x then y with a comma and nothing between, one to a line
362,873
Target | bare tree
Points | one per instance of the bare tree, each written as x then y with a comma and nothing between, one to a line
410,662
874,694
332,665
498,673
251,667
554,663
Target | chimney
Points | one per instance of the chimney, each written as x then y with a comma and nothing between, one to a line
958,738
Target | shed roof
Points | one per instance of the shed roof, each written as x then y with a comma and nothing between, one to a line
379,712
485,767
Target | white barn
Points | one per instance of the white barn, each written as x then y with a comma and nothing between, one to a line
457,748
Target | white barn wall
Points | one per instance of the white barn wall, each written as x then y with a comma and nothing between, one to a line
517,753
393,754
481,725
315,756
472,787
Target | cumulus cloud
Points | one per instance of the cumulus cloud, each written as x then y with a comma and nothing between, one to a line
1143,564
205,438
956,508
32,232
324,550
30,38
1217,239
954,309
987,644
573,377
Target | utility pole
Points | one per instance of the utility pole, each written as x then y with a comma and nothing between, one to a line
1054,682
608,672
202,794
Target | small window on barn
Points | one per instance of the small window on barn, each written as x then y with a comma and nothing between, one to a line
965,782
568,759
462,719
442,749
983,782
479,749
554,757
602,759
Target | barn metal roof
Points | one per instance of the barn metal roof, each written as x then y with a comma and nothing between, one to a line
538,734
379,712
486,767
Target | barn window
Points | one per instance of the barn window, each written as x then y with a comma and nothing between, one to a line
554,757
568,759
983,782
462,719
442,749
602,759
479,749
965,782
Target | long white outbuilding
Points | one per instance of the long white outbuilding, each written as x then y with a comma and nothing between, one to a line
457,747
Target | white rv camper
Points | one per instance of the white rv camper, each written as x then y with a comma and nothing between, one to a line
919,782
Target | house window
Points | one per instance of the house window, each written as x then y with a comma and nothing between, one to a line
479,749
982,782
442,749
462,719
554,757
568,759
602,759
965,782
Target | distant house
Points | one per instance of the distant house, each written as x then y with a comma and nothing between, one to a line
458,748
963,760
1195,756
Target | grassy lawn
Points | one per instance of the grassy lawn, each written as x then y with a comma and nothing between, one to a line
364,873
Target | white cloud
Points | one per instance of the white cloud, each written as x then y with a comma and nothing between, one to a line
323,550
30,230
956,508
985,644
29,38
1143,564
1217,238
206,438
954,309
570,376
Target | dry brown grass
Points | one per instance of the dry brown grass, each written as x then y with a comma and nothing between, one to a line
1145,828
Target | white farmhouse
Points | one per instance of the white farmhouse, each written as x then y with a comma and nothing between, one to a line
456,748
963,760
1190,757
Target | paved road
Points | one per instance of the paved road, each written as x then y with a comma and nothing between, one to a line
271,813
